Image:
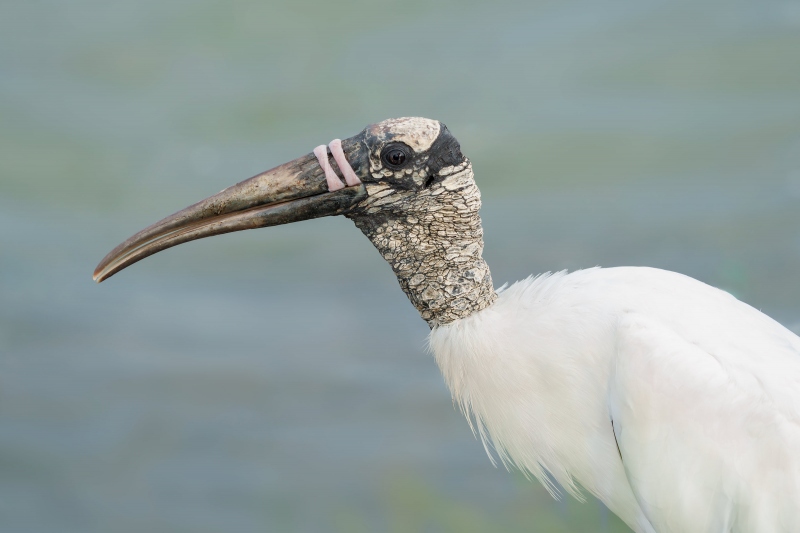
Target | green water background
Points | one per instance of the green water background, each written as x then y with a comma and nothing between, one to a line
231,384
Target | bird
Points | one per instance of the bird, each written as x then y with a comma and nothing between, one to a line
671,401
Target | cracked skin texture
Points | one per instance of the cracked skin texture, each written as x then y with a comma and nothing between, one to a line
432,237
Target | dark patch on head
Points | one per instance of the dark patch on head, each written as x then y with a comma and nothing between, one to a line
444,152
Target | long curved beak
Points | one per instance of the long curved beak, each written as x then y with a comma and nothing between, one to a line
294,191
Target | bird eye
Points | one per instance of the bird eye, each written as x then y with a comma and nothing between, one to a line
395,155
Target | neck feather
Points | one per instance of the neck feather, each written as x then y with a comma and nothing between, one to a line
433,239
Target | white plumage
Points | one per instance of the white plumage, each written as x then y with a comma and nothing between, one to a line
703,392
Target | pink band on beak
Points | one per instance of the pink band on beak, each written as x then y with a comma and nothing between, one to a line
334,183
347,171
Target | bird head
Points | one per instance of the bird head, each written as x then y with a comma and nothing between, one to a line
404,183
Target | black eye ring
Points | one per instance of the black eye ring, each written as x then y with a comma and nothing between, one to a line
396,155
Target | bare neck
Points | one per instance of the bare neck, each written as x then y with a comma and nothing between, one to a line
433,240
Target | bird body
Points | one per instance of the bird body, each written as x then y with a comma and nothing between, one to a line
671,401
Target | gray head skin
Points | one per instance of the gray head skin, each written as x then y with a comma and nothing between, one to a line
423,217
418,204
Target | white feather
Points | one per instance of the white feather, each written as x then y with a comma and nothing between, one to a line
703,391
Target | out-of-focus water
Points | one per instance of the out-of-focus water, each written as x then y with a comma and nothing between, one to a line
188,393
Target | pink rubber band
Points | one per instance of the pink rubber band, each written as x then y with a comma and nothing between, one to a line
347,171
334,183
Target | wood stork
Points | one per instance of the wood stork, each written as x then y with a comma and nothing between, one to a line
671,401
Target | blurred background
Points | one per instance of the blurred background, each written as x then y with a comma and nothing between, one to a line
185,394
